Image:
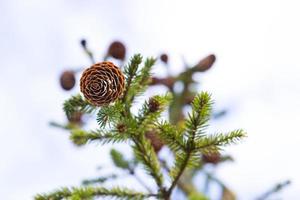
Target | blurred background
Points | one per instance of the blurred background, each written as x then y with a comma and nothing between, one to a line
256,77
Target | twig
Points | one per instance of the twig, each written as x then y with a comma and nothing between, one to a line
211,177
90,55
169,191
133,173
274,190
185,186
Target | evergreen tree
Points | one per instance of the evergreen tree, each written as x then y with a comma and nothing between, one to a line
109,93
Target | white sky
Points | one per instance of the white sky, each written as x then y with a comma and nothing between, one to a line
256,76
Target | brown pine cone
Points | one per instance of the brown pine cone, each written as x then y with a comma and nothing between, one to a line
117,50
67,80
213,158
189,99
169,81
102,83
121,128
76,118
164,58
206,63
153,105
154,140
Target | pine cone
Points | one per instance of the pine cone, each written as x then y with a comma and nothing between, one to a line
155,141
164,58
213,158
67,80
153,105
117,50
76,118
121,128
206,63
102,83
169,81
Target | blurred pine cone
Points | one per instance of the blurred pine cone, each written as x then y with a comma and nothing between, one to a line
117,50
102,83
206,63
169,81
67,80
153,105
121,128
164,58
213,158
154,140
76,118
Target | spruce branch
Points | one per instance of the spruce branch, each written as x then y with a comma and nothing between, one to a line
109,114
152,109
213,143
143,78
101,179
195,125
181,162
81,137
89,192
62,126
186,142
199,117
145,153
130,73
77,104
137,79
171,136
119,160
136,82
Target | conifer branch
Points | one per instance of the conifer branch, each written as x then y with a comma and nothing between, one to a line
77,103
119,160
98,180
180,165
213,143
142,79
91,192
199,117
81,137
197,121
152,109
171,136
145,153
137,80
187,142
143,149
130,73
109,114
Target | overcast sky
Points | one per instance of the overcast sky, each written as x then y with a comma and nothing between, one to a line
256,77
